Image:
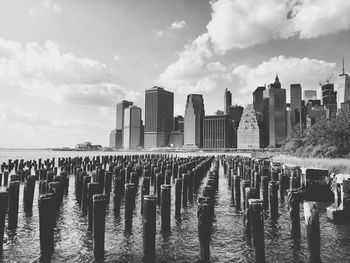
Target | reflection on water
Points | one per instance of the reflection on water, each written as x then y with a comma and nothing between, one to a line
73,243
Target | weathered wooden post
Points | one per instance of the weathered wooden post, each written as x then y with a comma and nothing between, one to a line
165,207
13,205
84,192
159,182
3,210
237,187
184,189
46,223
93,188
6,177
257,229
281,186
149,227
178,195
273,194
129,205
146,181
203,215
99,210
29,193
312,223
264,193
294,212
118,191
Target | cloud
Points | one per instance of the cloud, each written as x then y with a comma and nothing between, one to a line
45,6
306,71
46,71
241,24
192,72
177,25
117,57
158,33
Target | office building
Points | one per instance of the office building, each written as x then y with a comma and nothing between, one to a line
346,86
217,131
329,99
132,128
227,100
235,113
159,113
295,121
176,138
121,106
274,115
178,123
248,132
115,139
193,120
310,95
258,99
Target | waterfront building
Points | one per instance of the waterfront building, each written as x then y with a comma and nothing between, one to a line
132,128
258,100
274,115
176,138
193,121
310,95
249,132
235,112
120,108
217,131
295,120
329,99
227,100
178,123
115,139
159,113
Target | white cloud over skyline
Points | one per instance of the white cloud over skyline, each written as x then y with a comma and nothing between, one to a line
45,6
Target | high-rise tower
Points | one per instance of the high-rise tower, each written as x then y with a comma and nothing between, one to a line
227,100
159,112
193,120
346,84
295,106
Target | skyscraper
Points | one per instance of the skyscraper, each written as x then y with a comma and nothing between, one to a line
121,106
310,95
132,128
274,114
178,123
258,99
295,106
217,131
159,111
227,100
249,133
193,121
346,84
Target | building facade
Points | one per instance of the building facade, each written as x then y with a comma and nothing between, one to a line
132,128
217,131
227,100
310,95
159,112
118,138
274,115
178,123
249,133
193,120
295,120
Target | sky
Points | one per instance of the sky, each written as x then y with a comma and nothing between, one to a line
64,64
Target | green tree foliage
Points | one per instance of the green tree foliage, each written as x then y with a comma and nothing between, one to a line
326,138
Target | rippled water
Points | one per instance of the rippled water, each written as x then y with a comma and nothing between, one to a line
73,243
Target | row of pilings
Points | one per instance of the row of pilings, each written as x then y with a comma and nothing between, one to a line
257,186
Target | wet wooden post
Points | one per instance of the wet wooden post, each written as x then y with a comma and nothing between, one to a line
118,191
149,227
250,193
294,212
312,223
237,187
84,192
99,211
165,207
13,205
146,182
134,179
281,186
273,197
6,177
203,215
129,205
46,223
257,229
28,195
178,195
93,188
264,191
3,210
190,185
159,182
184,189
108,183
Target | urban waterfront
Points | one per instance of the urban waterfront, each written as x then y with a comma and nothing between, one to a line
229,243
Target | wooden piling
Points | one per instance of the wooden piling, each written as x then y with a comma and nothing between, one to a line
3,210
257,229
13,205
149,227
99,213
184,189
118,191
146,181
93,188
294,213
178,195
312,223
28,195
46,224
165,207
129,205
237,187
264,192
203,215
273,198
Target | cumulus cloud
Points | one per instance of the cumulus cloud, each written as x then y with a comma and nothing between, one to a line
241,24
306,71
177,25
117,57
44,70
192,72
45,6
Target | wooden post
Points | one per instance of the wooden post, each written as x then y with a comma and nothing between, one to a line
178,195
312,223
46,223
3,210
203,215
99,205
29,193
264,191
149,227
273,194
159,182
93,188
281,186
165,207
129,205
145,189
118,191
257,229
184,189
13,205
294,213
84,192
237,187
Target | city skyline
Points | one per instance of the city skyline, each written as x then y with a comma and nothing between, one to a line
66,64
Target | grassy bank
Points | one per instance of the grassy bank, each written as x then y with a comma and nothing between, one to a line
337,165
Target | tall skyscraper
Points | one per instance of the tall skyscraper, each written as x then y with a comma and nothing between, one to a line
346,84
159,112
132,128
310,95
227,100
193,121
121,106
258,100
274,114
178,123
249,133
295,106
235,113
217,131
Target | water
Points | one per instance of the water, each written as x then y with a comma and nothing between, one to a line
73,243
